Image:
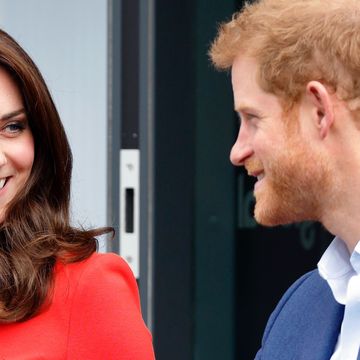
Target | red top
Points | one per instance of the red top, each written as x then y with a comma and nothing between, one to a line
94,314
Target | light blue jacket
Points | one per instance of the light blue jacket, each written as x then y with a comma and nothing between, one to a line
305,324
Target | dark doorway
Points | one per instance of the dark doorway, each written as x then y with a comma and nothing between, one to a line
218,275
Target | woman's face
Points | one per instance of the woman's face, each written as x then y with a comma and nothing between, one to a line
16,142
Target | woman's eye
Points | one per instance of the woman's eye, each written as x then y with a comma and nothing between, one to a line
14,128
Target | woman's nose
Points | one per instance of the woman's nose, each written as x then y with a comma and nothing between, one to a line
3,159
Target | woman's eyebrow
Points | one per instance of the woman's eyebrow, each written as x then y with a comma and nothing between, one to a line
12,114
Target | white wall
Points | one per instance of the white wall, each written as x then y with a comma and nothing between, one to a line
67,40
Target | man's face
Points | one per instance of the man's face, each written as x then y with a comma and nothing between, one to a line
273,148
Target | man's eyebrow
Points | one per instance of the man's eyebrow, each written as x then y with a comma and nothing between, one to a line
245,108
12,114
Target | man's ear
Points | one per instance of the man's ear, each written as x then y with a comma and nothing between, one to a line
322,105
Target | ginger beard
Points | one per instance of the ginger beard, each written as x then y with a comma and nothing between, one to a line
296,180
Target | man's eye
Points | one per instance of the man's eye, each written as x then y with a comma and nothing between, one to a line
250,116
239,119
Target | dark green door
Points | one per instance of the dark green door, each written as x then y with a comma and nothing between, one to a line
218,275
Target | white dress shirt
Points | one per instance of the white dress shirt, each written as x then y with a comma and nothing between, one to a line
342,272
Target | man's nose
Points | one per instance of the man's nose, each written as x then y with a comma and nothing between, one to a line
242,148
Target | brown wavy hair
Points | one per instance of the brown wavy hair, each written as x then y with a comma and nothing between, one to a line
295,42
36,231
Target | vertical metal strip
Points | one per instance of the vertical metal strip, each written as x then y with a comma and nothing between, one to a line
146,123
113,116
147,100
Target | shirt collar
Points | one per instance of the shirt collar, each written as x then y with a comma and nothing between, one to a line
337,267
355,258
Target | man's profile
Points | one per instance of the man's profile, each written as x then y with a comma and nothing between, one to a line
295,68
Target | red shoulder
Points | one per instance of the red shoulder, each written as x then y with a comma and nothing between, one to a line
102,273
105,320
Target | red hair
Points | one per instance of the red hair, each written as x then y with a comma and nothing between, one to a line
295,42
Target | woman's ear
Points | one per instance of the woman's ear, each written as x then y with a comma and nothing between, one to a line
321,102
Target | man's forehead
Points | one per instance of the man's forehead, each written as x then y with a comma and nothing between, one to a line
248,95
243,78
244,66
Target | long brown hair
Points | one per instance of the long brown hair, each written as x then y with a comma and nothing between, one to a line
36,231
